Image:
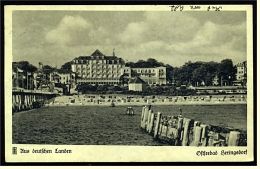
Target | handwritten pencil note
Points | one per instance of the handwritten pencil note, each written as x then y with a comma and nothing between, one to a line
195,8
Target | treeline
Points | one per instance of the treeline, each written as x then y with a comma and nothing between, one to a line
24,77
191,73
194,73
205,73
19,79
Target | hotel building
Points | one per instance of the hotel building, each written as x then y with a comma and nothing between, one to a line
241,71
241,75
151,76
98,68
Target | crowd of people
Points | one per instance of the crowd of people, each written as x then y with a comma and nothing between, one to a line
129,100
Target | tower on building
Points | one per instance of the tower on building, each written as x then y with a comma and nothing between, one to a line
40,65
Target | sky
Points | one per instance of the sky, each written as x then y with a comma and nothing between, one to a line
56,37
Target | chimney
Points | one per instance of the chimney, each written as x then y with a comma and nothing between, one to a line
113,52
40,65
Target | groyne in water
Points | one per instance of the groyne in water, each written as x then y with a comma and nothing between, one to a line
180,131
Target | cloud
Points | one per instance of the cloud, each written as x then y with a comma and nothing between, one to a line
169,37
133,33
68,30
163,26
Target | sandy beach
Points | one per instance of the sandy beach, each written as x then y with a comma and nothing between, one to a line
97,100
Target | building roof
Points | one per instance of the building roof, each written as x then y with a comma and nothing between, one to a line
243,64
47,71
137,80
63,71
98,55
60,71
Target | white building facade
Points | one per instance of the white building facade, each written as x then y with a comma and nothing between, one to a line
98,69
151,76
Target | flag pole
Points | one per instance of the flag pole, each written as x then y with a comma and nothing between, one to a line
17,77
23,82
27,81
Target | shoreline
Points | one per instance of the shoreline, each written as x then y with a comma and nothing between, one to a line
143,104
83,100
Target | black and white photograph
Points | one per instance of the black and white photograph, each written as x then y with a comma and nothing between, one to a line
129,83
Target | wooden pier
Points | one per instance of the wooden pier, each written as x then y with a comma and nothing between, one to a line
26,100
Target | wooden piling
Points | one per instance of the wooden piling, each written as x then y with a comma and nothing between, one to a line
186,132
146,111
148,120
178,137
234,137
150,129
180,123
165,126
157,124
19,102
196,123
204,137
142,118
211,138
197,136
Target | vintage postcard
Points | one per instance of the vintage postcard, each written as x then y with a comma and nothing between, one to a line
148,83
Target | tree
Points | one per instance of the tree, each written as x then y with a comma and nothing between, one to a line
169,73
140,63
130,64
153,63
123,79
102,88
67,65
47,67
183,75
205,73
25,66
226,70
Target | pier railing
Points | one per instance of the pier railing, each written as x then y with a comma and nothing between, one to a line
26,100
180,131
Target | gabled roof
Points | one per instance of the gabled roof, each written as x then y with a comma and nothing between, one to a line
137,80
100,56
97,53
